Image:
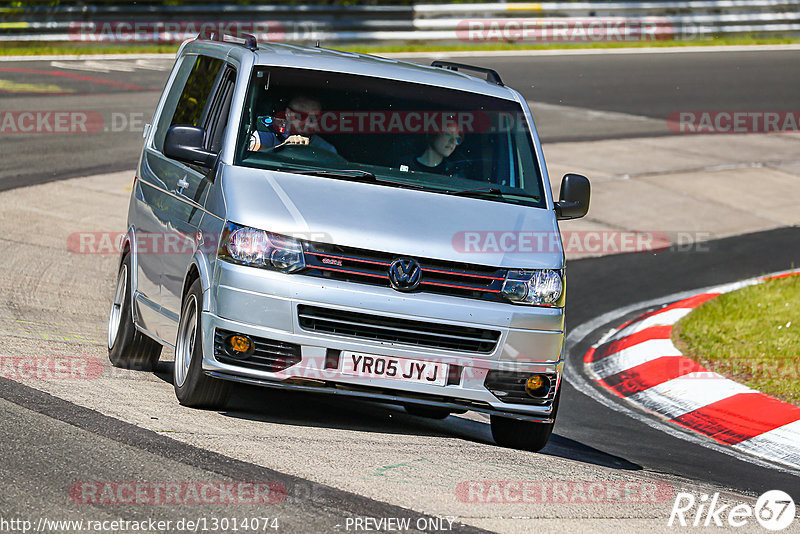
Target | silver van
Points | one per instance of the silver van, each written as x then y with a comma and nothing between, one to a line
344,224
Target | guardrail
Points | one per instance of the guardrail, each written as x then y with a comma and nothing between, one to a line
445,23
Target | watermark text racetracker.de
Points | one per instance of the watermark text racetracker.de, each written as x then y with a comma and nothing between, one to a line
50,367
70,122
465,242
50,122
169,31
163,243
563,492
577,242
734,121
53,365
565,30
176,493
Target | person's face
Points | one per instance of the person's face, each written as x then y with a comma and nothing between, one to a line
300,108
446,142
297,113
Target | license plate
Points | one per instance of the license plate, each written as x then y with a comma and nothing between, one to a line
403,369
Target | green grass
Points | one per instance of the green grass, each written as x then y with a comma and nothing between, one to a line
36,49
22,49
751,335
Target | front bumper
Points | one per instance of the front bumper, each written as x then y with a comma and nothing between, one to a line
264,304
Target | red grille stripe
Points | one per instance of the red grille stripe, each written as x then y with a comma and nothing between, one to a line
461,287
424,269
456,273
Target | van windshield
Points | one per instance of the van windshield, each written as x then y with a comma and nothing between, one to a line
395,133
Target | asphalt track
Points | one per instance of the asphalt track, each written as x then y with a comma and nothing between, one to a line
69,439
633,93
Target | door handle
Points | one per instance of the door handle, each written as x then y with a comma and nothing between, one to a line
182,184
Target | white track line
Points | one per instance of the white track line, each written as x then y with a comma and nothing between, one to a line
629,357
778,443
687,393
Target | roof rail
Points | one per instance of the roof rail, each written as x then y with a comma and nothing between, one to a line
491,74
250,40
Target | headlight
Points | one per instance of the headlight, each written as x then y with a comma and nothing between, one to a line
542,287
258,248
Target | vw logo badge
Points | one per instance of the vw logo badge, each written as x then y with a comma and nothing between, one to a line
405,274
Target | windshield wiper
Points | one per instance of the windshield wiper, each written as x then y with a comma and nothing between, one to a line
490,191
361,176
343,173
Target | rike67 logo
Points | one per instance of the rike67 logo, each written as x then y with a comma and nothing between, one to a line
774,510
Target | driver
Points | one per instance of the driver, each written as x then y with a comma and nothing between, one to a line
280,131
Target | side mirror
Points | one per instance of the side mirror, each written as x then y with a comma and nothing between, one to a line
185,144
575,192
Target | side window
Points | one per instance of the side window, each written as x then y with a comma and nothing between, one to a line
193,99
188,95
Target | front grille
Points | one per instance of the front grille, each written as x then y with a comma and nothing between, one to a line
509,387
269,355
393,330
370,267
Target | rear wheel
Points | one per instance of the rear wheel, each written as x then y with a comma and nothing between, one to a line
127,347
192,386
523,435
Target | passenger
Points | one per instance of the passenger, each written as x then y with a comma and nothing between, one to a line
440,147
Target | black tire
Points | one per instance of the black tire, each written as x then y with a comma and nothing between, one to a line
426,411
523,435
193,387
128,348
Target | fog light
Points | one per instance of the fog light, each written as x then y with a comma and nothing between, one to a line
240,345
537,386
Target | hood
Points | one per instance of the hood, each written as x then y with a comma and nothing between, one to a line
404,222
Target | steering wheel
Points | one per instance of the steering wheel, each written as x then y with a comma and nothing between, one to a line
292,152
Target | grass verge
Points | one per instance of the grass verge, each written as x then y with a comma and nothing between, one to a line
78,48
751,336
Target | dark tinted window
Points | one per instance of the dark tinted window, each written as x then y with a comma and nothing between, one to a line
192,101
188,95
419,135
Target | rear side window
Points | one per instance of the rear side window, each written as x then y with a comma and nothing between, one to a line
187,100
192,101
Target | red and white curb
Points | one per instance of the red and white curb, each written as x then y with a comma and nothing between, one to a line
638,362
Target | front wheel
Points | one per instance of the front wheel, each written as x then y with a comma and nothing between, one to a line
523,435
192,386
127,347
